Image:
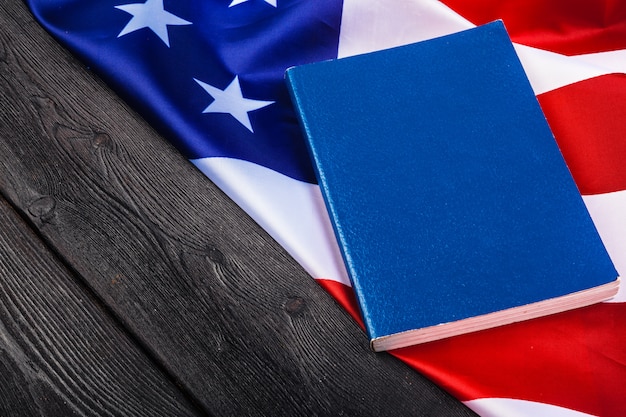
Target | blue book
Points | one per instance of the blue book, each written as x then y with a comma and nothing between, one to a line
451,202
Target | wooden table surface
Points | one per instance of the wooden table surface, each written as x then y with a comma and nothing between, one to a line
131,286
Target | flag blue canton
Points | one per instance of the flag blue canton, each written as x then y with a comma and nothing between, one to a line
209,75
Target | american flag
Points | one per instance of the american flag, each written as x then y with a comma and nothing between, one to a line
209,75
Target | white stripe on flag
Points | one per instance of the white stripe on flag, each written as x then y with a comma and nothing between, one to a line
498,407
608,212
370,25
615,61
548,71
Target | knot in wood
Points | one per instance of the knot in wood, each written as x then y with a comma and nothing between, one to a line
295,306
43,207
43,102
101,140
216,256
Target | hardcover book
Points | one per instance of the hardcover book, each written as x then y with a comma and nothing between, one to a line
451,202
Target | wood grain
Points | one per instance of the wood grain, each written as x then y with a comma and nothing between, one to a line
61,353
235,321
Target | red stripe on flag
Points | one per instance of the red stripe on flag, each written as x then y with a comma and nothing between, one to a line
588,119
570,359
564,26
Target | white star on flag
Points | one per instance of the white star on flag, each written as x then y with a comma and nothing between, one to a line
231,101
236,2
150,15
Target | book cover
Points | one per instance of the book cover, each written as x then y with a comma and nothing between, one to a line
451,202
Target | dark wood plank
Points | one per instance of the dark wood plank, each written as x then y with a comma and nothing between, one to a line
201,286
62,354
